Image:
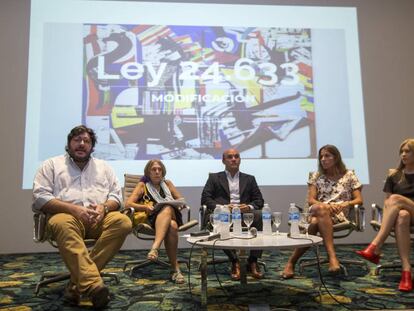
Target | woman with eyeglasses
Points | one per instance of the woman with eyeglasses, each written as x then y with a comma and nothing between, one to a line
152,196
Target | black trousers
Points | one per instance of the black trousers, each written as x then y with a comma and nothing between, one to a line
254,254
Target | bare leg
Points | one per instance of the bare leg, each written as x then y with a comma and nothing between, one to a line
162,225
289,269
325,225
392,207
171,244
402,235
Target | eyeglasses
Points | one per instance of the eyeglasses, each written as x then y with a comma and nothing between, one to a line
79,140
230,156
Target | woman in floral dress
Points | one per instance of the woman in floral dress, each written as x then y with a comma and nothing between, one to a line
331,191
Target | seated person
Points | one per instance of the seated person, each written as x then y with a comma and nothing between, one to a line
165,219
234,187
331,191
398,214
82,195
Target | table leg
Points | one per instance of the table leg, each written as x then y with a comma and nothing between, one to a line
243,264
203,270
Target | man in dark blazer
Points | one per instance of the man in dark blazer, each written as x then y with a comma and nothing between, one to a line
234,187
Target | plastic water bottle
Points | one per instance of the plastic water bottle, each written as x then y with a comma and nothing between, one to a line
294,220
267,219
225,222
217,219
236,220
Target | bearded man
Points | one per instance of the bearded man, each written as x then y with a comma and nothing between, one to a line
82,197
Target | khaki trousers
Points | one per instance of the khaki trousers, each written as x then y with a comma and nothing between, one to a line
85,266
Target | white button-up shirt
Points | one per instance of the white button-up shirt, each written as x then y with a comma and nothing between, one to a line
234,187
60,178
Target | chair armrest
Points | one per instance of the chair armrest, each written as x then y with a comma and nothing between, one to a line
376,212
359,212
183,210
129,211
144,231
202,222
39,227
188,225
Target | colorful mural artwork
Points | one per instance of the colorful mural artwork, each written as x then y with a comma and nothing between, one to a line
190,92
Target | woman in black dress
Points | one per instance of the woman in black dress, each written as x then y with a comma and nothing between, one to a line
164,217
398,213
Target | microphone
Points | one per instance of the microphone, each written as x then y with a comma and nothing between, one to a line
212,237
253,232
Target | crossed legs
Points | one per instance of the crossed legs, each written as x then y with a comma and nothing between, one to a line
398,214
166,229
321,222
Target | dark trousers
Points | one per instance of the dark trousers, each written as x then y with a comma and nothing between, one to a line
254,254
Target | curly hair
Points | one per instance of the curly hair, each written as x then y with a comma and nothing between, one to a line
80,129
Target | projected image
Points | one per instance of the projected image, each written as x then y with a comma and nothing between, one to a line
190,92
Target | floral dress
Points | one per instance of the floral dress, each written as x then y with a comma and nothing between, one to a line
331,191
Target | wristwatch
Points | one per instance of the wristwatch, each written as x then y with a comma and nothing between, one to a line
106,209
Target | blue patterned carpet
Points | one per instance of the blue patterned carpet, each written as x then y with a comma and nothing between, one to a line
152,290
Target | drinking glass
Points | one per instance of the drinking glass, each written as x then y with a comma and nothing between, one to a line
277,220
304,220
248,220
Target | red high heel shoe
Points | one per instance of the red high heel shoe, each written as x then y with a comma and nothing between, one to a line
369,254
406,284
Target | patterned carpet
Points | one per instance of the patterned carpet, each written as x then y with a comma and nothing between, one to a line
153,291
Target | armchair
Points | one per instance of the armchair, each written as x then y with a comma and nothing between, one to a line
377,212
40,235
144,231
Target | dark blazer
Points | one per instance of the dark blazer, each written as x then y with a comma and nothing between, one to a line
216,191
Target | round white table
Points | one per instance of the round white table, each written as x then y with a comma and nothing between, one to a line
244,243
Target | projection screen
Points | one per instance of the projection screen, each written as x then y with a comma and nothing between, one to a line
183,82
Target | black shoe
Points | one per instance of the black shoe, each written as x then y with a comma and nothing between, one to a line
99,296
235,271
254,269
71,293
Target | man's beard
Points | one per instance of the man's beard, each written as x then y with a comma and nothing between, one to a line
83,159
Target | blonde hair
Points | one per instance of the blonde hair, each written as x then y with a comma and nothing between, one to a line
409,142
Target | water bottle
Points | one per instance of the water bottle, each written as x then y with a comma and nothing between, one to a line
225,222
267,219
236,220
294,220
217,219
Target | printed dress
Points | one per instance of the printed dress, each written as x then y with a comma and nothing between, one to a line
331,191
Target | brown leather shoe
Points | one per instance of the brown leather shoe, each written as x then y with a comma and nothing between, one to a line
255,271
235,271
99,296
71,293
